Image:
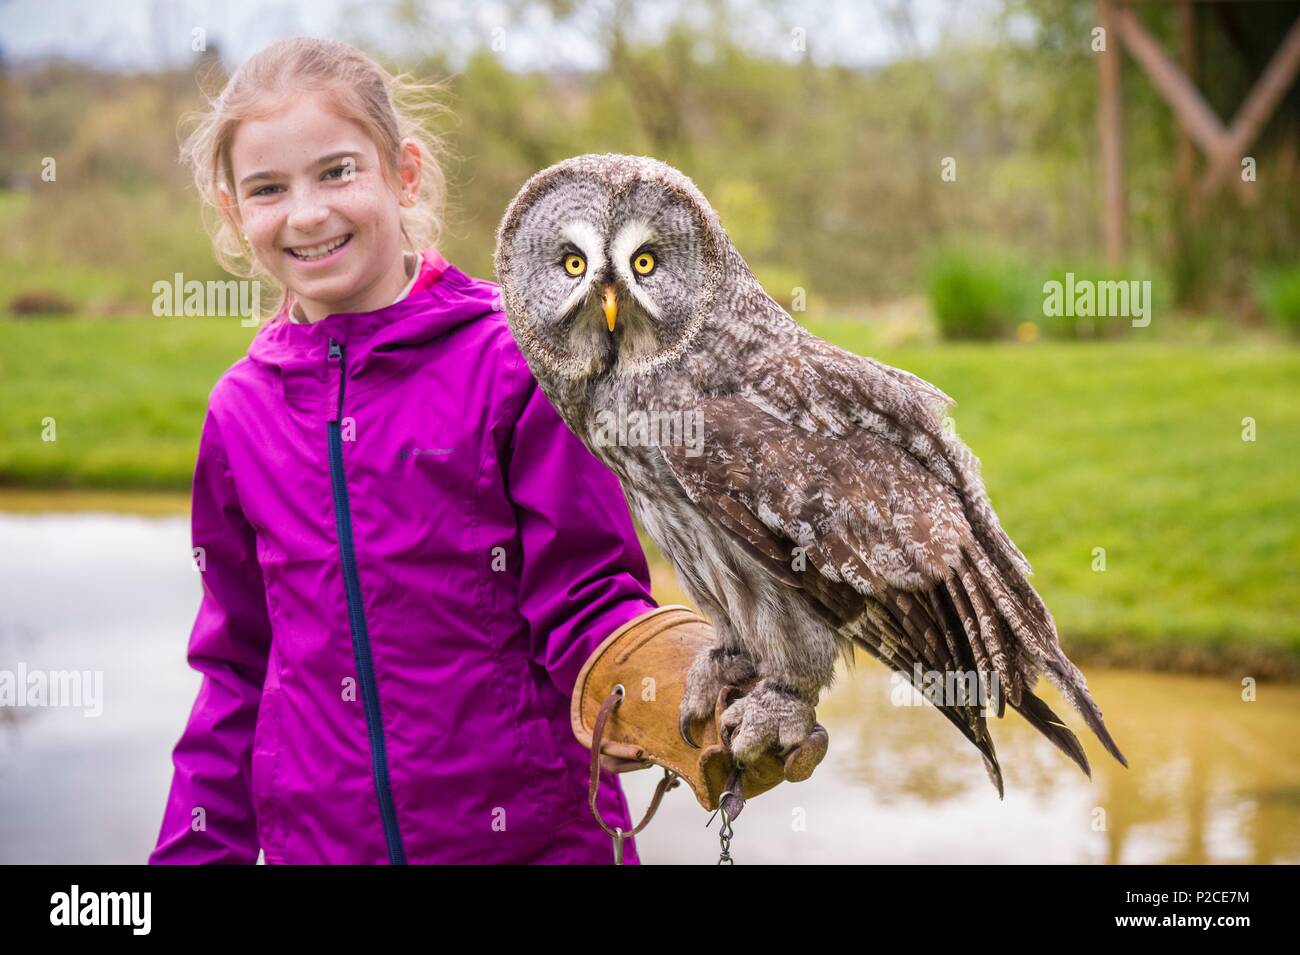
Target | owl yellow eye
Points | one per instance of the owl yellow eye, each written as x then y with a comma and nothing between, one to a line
575,264
644,263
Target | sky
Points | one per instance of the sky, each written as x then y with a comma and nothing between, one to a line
149,34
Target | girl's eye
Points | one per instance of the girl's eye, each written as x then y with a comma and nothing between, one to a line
575,265
644,263
342,171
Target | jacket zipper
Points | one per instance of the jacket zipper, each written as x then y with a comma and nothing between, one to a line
357,619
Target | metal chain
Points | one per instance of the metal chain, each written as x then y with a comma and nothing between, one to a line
724,838
725,833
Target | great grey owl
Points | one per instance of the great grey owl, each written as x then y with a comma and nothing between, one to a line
825,506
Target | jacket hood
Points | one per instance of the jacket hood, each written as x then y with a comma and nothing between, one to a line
376,345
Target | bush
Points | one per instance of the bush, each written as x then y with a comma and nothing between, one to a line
39,302
978,294
1279,294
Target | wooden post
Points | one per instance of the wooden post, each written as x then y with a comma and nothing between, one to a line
1184,99
1110,122
1193,113
1255,111
1186,168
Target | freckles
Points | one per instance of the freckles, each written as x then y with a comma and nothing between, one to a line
361,204
260,226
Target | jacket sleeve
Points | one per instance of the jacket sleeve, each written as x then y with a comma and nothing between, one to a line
584,574
229,644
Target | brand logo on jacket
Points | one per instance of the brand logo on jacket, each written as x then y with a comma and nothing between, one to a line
405,453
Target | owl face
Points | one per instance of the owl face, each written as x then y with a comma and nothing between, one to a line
607,264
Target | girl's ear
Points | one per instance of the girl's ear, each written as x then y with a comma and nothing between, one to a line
229,207
409,167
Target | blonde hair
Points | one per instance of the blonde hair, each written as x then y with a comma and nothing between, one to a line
387,106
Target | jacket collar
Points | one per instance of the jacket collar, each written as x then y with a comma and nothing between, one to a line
376,345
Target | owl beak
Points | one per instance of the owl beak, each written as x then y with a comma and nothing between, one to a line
610,305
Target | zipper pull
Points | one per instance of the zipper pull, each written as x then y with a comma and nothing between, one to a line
335,381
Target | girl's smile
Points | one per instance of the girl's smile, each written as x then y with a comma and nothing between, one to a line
316,256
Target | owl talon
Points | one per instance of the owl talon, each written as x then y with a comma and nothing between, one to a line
684,727
710,672
770,719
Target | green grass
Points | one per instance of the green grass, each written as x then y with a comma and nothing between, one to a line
1138,448
1131,446
127,398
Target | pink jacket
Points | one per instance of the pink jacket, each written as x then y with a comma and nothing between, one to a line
406,558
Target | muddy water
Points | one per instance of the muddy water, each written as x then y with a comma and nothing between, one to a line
1211,777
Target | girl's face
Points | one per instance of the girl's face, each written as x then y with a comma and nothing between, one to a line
321,218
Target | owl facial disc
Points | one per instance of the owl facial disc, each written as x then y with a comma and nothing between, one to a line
608,265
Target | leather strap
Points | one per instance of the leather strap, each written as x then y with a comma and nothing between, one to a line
670,780
733,797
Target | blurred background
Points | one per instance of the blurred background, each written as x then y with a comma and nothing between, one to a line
907,178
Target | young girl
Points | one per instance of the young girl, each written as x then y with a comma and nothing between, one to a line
406,557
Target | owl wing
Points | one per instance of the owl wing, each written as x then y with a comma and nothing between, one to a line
819,386
891,557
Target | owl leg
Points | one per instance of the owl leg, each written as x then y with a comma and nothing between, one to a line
711,670
772,717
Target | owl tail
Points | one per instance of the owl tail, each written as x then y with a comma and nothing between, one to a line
1021,622
1065,676
1040,716
891,640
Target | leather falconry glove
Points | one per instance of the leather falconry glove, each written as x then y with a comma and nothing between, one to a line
637,678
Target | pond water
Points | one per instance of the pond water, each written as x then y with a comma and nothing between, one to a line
1212,778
